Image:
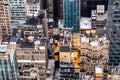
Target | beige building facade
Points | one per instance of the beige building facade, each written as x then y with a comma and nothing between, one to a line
94,52
5,26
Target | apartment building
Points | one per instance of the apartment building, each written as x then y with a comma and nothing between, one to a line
67,68
5,25
32,62
94,52
31,52
18,13
32,8
68,59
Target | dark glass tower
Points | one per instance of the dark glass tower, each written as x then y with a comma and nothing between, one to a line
58,9
71,14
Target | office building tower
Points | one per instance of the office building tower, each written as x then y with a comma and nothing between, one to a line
18,13
88,5
32,8
114,31
71,14
5,25
8,70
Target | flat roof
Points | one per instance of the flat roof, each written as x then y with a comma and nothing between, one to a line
100,8
30,61
85,23
64,49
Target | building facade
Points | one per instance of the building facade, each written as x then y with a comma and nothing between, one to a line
18,13
5,25
114,32
68,69
71,11
50,9
32,8
94,57
68,59
8,69
31,53
58,9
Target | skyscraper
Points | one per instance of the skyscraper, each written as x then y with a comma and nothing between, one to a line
7,63
5,26
71,14
114,31
17,8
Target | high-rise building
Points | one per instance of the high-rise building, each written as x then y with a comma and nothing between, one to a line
71,13
8,70
114,31
18,13
5,25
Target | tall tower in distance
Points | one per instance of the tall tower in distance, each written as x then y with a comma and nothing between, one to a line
5,26
71,12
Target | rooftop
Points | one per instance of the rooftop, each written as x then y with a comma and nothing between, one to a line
64,48
31,21
94,42
85,23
